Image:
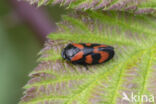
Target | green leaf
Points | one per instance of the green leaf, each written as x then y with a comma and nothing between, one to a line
56,81
134,6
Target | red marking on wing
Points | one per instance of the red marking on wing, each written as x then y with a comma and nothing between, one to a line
96,48
103,46
78,45
100,46
88,44
89,59
78,56
104,56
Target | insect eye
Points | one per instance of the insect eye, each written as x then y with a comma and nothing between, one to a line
63,55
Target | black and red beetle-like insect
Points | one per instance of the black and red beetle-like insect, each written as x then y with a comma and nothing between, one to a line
87,53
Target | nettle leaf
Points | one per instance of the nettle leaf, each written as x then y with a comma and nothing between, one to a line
135,6
132,70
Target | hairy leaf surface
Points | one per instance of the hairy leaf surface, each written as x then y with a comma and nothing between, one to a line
133,69
134,6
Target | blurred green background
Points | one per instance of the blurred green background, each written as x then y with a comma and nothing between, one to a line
18,51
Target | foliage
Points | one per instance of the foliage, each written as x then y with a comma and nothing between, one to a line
133,69
133,6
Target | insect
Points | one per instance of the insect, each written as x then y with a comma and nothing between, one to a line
87,53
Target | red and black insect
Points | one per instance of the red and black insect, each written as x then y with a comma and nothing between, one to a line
87,53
